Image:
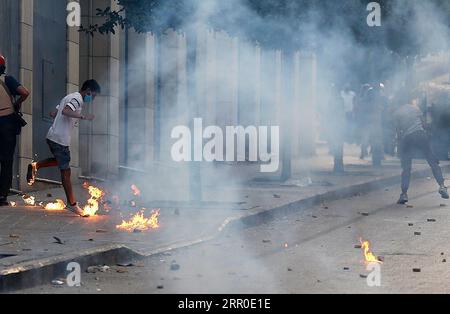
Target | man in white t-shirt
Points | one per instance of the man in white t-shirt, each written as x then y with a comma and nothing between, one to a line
67,114
348,98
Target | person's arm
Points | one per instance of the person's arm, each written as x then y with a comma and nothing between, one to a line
23,94
69,112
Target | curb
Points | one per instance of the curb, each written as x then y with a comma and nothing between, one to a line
39,272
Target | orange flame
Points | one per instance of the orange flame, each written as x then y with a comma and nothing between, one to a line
140,223
136,191
92,206
368,255
58,205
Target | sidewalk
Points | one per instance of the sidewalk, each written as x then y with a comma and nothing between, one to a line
29,251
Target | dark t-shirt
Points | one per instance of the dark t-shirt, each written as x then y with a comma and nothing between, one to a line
12,84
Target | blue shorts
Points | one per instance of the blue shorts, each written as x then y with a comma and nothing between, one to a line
61,153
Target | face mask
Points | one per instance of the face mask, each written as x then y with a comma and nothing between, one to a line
88,98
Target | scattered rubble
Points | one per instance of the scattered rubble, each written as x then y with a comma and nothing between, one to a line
59,241
121,270
417,270
58,282
431,220
96,269
417,233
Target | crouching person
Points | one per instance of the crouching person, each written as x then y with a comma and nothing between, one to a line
67,113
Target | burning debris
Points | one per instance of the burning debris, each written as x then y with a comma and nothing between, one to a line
139,223
13,204
58,205
368,255
93,204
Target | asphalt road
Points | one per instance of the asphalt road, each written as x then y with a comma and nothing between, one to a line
312,251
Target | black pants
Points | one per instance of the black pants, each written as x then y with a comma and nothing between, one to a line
417,145
8,138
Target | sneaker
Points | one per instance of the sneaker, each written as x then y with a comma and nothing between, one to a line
31,173
76,209
444,192
403,199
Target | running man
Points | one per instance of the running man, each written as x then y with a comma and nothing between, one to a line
67,113
414,140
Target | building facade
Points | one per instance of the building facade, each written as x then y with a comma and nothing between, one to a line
146,85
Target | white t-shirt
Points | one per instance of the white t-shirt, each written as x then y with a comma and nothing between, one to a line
349,100
61,130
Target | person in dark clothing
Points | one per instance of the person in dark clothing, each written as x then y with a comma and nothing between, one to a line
414,142
12,95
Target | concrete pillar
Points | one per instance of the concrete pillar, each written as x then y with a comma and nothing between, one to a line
73,82
141,99
304,102
206,76
227,79
25,146
174,104
99,59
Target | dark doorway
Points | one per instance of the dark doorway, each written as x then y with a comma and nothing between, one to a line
49,74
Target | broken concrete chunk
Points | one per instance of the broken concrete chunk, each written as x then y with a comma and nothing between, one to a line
59,241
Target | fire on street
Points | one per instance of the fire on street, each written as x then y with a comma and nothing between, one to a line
324,254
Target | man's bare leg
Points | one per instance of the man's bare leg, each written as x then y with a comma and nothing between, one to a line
35,166
67,184
47,163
